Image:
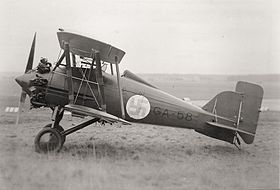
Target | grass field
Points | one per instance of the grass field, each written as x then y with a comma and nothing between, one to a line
137,156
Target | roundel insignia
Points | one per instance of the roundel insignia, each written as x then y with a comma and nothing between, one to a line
138,107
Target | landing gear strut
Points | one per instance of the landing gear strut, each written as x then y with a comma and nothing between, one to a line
52,137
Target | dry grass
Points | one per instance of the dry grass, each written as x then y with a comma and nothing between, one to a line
136,157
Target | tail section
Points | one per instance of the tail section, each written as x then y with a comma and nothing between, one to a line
236,113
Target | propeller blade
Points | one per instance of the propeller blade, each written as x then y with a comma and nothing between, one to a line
29,66
31,55
20,105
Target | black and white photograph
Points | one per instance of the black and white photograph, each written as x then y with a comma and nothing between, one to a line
139,94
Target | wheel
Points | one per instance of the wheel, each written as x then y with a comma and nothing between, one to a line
59,128
48,140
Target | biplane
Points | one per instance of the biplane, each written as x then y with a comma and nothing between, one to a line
78,83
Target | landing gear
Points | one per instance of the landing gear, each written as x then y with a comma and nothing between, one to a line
49,140
52,137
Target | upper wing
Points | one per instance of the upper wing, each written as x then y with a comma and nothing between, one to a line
83,46
83,110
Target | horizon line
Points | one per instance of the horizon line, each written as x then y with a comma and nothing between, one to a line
234,74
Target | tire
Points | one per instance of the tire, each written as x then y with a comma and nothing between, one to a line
48,140
59,128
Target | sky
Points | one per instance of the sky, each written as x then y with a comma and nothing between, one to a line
158,36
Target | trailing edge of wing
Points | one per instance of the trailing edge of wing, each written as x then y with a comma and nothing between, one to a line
84,110
229,127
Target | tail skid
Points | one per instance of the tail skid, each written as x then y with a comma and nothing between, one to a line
241,110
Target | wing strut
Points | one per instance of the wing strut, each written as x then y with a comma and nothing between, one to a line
69,73
119,87
99,79
59,61
111,67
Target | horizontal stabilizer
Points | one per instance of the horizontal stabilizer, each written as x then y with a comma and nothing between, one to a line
87,111
229,127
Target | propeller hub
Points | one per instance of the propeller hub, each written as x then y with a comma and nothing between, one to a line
23,81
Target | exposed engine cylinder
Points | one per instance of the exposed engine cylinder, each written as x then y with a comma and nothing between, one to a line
39,93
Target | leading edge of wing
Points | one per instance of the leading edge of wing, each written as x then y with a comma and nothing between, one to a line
84,110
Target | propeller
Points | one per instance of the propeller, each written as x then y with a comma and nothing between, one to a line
29,66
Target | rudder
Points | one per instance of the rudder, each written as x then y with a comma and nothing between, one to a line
252,96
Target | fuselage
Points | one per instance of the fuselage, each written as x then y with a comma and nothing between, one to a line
142,103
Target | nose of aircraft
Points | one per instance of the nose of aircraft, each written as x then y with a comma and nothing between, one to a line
23,81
